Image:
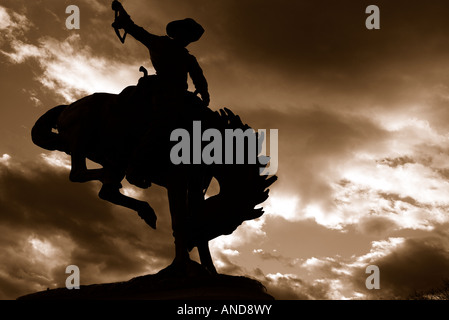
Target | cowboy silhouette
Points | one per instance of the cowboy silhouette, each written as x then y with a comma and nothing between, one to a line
169,56
107,130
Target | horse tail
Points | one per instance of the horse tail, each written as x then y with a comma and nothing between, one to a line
42,133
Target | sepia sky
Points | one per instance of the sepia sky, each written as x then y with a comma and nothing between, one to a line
363,124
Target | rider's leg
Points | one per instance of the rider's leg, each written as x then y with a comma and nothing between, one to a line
140,163
165,105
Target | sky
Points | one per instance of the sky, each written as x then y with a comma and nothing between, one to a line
363,143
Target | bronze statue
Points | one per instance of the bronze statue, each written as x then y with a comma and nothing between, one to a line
129,136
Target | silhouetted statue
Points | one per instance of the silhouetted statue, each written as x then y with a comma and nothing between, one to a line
118,132
169,56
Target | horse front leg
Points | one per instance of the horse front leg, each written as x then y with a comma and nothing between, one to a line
110,191
195,205
177,197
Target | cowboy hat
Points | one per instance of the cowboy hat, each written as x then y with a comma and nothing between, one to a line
187,29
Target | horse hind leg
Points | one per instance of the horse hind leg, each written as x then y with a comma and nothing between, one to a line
110,191
79,171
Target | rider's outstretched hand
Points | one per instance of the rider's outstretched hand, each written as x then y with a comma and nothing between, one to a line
116,5
123,18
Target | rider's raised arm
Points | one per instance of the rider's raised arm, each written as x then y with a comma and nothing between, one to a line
140,34
123,20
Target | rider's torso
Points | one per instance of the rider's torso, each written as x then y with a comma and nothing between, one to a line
171,63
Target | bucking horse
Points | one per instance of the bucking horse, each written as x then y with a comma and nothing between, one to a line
129,138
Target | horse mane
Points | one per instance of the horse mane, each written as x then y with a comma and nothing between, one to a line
245,189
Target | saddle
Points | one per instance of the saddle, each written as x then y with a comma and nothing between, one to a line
140,93
149,95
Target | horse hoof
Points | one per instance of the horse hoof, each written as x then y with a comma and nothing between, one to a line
148,215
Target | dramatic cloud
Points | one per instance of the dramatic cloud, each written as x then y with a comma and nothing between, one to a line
44,231
406,266
347,168
71,69
363,143
12,24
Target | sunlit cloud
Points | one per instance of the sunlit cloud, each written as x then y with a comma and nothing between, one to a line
43,247
12,24
70,68
327,218
51,252
231,252
22,52
379,249
313,262
4,159
57,159
413,195
131,191
283,206
226,246
403,185
291,287
345,276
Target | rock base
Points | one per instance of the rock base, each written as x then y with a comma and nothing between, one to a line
165,285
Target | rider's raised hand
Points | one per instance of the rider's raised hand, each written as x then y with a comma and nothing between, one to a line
116,5
122,19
